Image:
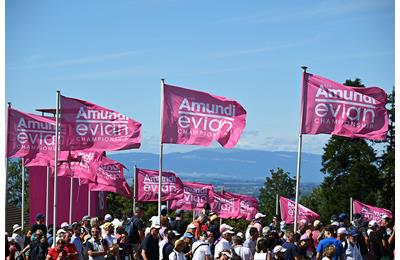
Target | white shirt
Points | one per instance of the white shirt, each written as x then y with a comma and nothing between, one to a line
244,252
161,244
19,239
260,256
202,249
222,244
175,255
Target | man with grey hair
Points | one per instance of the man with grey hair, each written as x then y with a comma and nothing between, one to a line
226,240
243,252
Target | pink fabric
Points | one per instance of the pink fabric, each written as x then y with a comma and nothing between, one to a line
147,185
88,126
288,211
110,177
37,198
195,195
30,136
226,206
332,108
369,212
248,205
197,118
81,165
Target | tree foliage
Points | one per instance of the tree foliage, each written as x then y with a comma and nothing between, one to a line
14,183
280,183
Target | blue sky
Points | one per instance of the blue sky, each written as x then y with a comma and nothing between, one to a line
113,53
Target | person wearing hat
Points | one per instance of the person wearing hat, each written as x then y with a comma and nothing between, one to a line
279,252
306,246
213,227
18,238
38,225
110,240
188,238
383,238
107,219
72,252
135,228
150,248
353,249
224,255
259,222
60,234
317,234
177,253
226,240
328,241
85,223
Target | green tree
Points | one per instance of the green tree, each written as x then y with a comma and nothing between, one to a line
387,162
14,183
280,183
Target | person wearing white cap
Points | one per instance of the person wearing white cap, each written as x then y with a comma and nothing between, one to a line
279,252
259,222
107,219
16,235
226,240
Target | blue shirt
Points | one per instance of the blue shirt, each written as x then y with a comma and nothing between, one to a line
291,250
324,243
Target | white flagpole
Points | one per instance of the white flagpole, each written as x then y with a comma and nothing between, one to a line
56,167
88,203
134,189
71,188
22,193
161,151
277,205
299,154
7,132
47,194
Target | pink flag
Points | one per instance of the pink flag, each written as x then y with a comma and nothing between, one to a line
147,185
29,135
109,177
226,206
288,210
332,108
95,128
248,205
194,196
369,212
197,118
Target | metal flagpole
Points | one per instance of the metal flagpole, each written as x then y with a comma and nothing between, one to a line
71,188
6,164
47,194
88,203
299,152
22,193
56,167
277,205
161,151
134,189
220,219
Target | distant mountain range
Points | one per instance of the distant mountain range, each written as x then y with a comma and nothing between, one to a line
227,167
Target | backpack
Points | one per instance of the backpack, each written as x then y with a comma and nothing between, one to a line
131,228
235,256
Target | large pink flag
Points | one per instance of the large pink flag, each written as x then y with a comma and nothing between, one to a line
194,196
226,205
29,135
197,118
110,177
248,205
332,108
288,210
369,212
82,165
95,128
147,185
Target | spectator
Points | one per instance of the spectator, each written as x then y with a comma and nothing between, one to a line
150,248
77,242
201,248
279,252
70,248
85,225
275,224
352,252
327,241
179,224
135,229
125,248
18,238
292,251
38,225
169,246
177,253
251,242
226,238
58,252
96,248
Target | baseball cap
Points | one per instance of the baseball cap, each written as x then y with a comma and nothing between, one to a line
191,226
342,231
108,217
335,223
187,235
227,253
60,231
155,225
317,223
259,215
343,217
334,218
278,249
240,234
353,233
372,223
175,232
64,224
85,218
224,227
39,216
